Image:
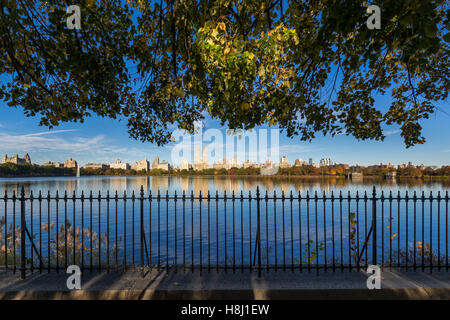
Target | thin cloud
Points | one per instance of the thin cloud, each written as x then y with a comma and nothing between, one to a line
53,145
391,132
49,132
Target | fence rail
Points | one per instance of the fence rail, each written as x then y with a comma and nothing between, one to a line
302,231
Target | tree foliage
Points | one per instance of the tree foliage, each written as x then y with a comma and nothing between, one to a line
307,67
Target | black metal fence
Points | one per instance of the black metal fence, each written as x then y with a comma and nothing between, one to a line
296,232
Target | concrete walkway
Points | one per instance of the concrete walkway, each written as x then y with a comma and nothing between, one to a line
227,285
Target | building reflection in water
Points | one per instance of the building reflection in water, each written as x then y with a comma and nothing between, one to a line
220,184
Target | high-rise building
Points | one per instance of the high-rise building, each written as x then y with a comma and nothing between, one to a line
119,165
284,162
70,163
203,163
16,160
300,162
185,165
325,162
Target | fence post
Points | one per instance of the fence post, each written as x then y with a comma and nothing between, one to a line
374,225
22,235
142,227
259,231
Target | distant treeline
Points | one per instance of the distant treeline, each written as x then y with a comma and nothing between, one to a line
27,170
32,170
335,171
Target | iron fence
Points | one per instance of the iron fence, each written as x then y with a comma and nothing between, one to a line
295,232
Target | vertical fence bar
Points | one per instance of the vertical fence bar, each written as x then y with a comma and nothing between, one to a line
73,228
292,233
217,231
374,224
439,230
308,244
283,225
365,226
390,230
415,227
175,231
349,232
225,225
300,230
65,229
234,233
446,230
22,234
107,231
14,199
141,201
6,229
431,232
91,235
259,230
159,229
250,228
398,229
31,232
275,227
82,228
99,232
184,230
125,230
358,226
342,238
192,230
167,230
133,235
200,225
332,228
406,229
40,232
316,199
324,231
266,198
423,231
116,253
242,232
209,232
382,229
57,230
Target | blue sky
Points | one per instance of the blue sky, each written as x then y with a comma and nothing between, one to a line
104,140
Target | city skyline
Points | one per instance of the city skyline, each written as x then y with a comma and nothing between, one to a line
202,164
105,140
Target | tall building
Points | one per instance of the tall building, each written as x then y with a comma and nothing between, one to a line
141,165
300,162
311,161
185,165
16,160
119,165
284,162
155,163
325,162
203,163
162,165
70,163
53,164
